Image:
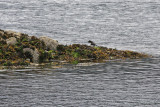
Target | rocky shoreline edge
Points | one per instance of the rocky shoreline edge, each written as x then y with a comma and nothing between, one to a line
21,49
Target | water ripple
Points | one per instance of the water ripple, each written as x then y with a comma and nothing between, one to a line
123,25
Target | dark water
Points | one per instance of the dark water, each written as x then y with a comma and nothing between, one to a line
131,25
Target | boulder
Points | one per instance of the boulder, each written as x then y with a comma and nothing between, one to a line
11,41
49,42
15,34
33,53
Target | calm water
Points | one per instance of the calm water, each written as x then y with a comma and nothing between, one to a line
121,24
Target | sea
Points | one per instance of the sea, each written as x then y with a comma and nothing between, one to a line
120,24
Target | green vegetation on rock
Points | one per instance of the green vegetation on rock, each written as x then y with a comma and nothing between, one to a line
22,49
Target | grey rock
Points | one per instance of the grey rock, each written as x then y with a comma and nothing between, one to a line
15,34
49,42
34,53
11,41
35,56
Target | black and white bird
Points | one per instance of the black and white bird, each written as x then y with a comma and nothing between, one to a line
92,43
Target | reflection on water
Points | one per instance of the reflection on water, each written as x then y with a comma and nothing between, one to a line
114,83
123,25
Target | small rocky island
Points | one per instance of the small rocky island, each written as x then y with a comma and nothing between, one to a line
21,49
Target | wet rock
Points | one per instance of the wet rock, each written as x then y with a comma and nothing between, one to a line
49,42
11,41
33,53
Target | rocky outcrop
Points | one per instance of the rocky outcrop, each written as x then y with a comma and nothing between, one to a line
49,42
16,48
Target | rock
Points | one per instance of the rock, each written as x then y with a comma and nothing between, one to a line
35,56
33,53
29,38
28,60
11,41
49,42
15,34
1,33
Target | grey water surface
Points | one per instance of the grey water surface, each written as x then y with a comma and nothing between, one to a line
121,24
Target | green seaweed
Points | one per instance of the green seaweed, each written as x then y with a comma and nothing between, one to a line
75,62
75,53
